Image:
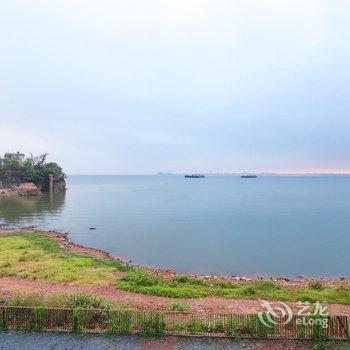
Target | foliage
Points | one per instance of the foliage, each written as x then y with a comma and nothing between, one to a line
4,319
196,325
152,325
78,317
87,301
176,306
37,318
141,278
35,169
316,285
26,301
119,321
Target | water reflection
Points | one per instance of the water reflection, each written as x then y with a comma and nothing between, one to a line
16,209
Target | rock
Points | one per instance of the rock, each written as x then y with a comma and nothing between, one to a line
11,178
24,189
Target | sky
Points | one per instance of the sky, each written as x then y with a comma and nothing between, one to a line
137,87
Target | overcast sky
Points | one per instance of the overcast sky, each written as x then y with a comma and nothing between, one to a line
128,87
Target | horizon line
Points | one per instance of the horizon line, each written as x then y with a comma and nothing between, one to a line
218,174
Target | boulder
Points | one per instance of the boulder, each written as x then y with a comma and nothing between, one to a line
24,189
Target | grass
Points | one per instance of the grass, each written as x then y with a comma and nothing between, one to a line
36,256
59,300
141,281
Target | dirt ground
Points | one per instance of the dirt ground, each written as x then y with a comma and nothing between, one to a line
10,286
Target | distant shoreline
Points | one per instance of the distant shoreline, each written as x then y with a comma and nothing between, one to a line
226,174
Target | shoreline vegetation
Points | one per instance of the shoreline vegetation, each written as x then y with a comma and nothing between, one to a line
39,261
29,176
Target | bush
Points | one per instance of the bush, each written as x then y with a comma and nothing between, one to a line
141,278
37,318
232,328
248,290
188,280
87,301
316,285
176,306
78,318
26,301
307,297
196,325
152,325
119,321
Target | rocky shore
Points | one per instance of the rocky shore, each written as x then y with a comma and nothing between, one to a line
63,239
24,189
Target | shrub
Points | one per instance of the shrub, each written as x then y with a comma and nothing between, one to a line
267,285
176,306
27,301
307,297
78,318
152,325
188,280
232,329
141,278
6,264
37,318
196,325
248,290
119,321
225,284
87,301
316,285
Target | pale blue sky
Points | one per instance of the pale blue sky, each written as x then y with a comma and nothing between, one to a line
180,86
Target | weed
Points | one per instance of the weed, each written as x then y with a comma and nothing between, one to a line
152,325
87,301
176,306
316,285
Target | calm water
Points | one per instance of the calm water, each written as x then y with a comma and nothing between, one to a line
271,225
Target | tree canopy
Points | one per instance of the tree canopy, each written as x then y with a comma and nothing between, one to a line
35,168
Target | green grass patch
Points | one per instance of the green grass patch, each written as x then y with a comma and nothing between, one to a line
34,256
180,286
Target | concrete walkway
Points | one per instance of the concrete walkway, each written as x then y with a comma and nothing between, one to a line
65,341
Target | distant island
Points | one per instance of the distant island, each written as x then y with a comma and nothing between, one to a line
28,176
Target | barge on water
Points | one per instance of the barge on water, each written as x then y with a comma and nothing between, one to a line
194,176
248,176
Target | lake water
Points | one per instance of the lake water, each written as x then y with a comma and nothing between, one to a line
277,225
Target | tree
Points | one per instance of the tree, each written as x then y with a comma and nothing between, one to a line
12,161
35,169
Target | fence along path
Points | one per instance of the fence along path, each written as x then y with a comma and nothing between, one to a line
172,323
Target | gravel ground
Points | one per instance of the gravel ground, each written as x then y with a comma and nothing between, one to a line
65,341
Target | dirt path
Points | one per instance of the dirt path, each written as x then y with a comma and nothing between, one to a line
10,286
